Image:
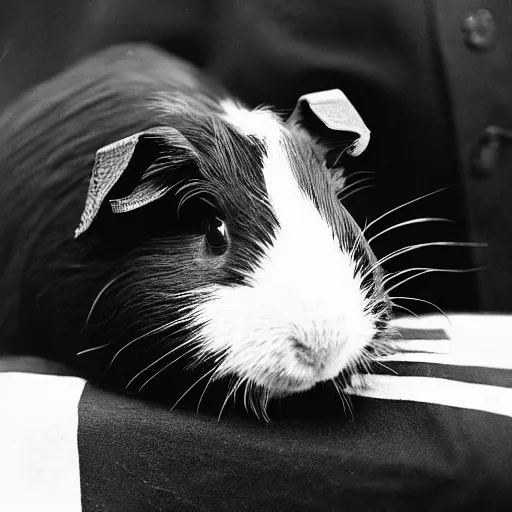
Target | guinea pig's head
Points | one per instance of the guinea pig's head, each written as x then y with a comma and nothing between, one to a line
246,262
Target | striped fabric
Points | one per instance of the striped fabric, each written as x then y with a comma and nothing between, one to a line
431,430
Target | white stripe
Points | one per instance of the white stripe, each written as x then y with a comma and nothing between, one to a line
475,340
482,360
39,467
422,322
432,346
462,325
465,395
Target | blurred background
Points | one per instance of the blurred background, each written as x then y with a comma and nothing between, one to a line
432,80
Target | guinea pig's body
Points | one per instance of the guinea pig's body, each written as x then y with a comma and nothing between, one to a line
245,265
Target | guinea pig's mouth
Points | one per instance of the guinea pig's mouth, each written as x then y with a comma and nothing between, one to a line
285,386
306,377
321,366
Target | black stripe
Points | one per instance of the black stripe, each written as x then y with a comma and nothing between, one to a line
398,456
476,375
410,333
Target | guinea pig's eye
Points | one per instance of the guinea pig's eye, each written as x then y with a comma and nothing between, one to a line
217,236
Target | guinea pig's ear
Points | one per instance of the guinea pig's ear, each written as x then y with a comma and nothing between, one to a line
164,148
333,123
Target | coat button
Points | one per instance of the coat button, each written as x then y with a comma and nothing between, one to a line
479,30
486,156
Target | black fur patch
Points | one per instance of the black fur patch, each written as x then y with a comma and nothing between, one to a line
49,281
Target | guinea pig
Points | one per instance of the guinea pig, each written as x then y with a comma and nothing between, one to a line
154,228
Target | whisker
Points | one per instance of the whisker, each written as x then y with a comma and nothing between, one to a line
181,345
245,395
424,301
210,380
415,247
409,248
228,396
251,400
403,205
336,387
194,347
405,309
346,196
264,406
357,173
102,291
386,367
157,330
7,48
407,223
345,400
365,362
238,385
354,184
358,242
337,160
361,235
192,387
429,271
368,360
393,275
92,349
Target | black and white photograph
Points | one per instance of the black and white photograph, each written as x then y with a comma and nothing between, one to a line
255,255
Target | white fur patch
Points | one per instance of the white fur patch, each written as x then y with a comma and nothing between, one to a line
261,123
303,320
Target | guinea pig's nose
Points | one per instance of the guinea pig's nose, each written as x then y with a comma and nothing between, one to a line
306,355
